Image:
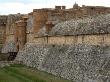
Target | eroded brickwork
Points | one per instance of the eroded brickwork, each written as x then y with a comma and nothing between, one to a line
21,33
3,21
58,26
72,43
51,22
40,18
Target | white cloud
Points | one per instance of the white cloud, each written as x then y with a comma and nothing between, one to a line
14,8
20,6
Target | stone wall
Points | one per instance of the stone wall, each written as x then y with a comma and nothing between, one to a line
29,28
79,39
29,37
76,49
40,17
2,35
9,46
10,25
5,63
21,36
11,33
3,21
91,25
79,63
54,24
10,38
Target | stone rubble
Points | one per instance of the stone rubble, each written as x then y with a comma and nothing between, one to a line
5,63
91,25
79,63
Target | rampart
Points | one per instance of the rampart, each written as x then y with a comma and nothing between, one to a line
72,43
80,39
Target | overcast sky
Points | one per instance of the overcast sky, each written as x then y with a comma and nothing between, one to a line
26,6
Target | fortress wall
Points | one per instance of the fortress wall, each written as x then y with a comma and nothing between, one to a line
93,39
40,17
86,39
56,40
61,40
29,37
80,58
10,38
12,28
22,33
70,39
107,39
9,45
97,39
79,63
40,40
2,34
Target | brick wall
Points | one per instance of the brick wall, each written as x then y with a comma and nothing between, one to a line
40,17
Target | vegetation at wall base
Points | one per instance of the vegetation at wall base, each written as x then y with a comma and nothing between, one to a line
20,73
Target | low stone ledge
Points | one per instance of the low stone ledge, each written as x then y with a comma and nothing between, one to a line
5,63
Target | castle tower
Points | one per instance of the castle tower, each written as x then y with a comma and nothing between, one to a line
40,18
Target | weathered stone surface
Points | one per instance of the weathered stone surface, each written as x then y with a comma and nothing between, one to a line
80,63
91,25
78,57
11,19
30,24
9,44
3,21
9,47
5,63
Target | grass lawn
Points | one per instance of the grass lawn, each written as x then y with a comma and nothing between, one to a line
18,73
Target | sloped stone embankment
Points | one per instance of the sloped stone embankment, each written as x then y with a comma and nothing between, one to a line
80,63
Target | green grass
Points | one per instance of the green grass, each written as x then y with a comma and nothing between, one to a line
18,73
